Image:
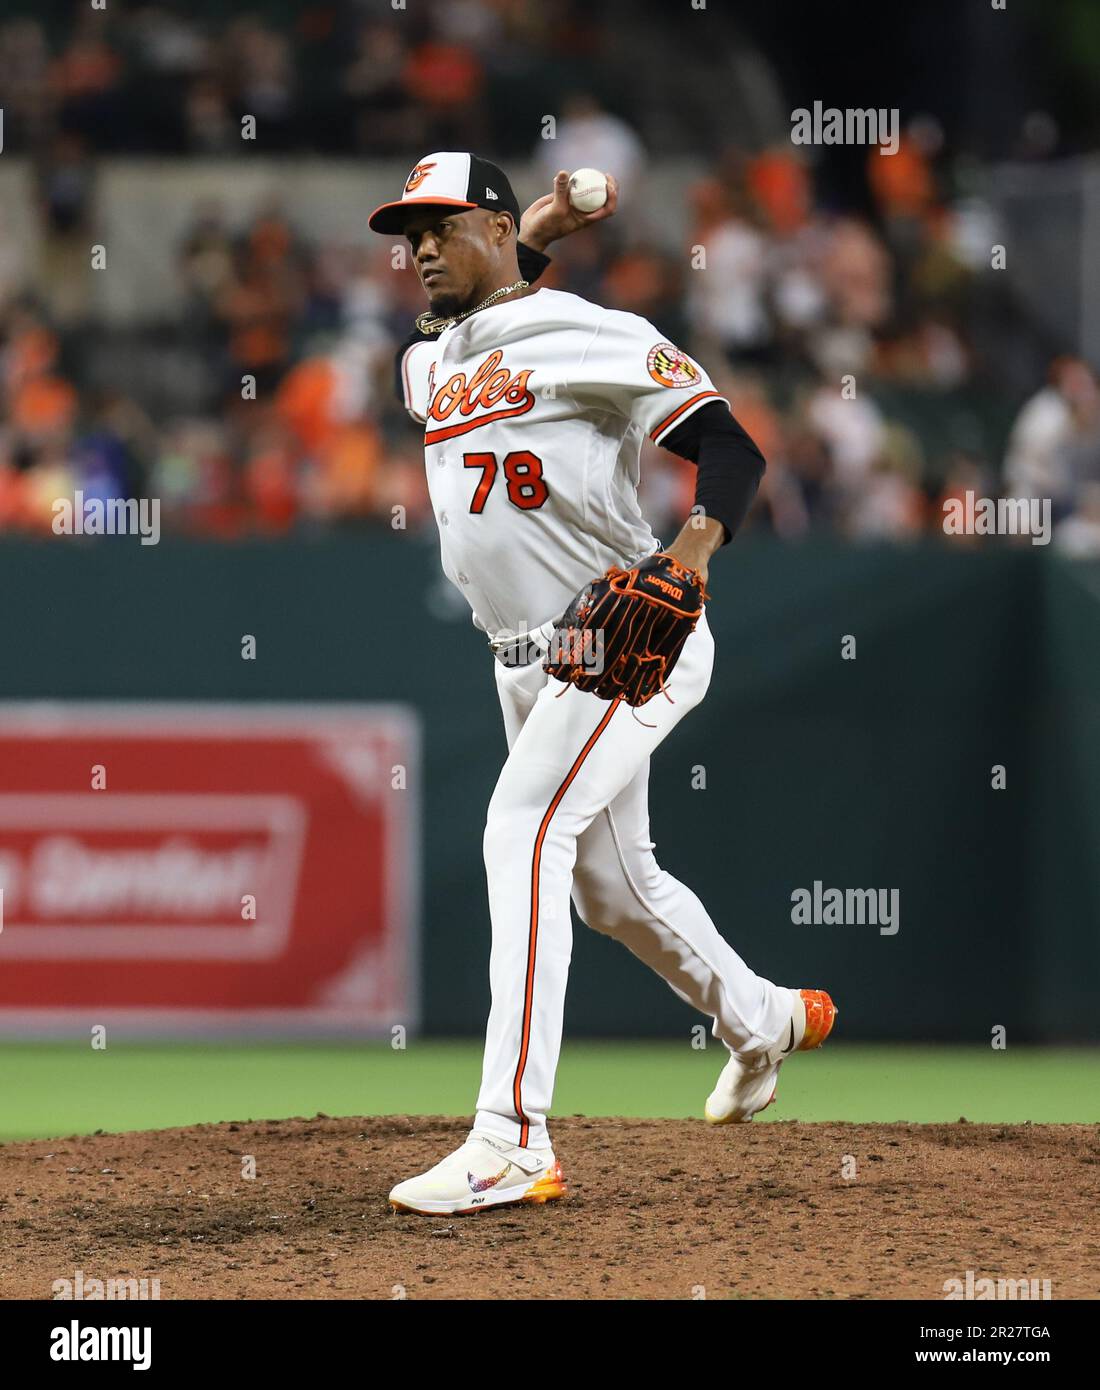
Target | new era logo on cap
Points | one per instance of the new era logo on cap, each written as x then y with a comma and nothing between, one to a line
451,179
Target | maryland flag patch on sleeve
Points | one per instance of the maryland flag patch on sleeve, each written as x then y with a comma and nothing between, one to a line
668,366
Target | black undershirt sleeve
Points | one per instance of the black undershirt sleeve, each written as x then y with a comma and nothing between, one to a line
729,465
532,263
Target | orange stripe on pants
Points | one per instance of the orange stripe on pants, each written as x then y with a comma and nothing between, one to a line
533,930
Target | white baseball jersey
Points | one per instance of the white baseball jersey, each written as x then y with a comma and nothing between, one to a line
534,411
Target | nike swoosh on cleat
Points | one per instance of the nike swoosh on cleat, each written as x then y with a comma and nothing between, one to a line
483,1184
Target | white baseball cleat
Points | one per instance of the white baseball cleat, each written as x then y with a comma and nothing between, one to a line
485,1172
747,1084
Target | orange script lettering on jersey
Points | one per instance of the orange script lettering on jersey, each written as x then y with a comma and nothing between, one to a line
490,384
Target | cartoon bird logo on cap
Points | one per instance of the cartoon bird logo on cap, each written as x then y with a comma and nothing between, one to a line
418,175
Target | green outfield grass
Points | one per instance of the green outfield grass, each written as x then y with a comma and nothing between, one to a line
52,1089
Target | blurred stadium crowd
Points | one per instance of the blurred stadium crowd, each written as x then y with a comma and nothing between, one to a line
779,291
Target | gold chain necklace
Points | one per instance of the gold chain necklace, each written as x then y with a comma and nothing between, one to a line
428,323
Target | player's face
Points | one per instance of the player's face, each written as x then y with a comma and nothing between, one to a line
454,255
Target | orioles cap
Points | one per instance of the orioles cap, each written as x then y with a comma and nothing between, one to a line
450,179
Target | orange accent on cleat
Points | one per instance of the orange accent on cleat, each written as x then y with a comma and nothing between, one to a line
821,1014
549,1187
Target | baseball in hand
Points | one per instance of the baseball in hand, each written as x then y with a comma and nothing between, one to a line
587,190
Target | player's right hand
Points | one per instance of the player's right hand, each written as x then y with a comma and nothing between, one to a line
553,216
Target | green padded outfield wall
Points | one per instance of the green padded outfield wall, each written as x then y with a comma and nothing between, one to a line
865,773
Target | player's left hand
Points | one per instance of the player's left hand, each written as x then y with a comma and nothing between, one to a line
553,216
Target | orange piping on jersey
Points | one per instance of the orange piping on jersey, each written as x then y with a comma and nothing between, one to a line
533,933
438,436
668,420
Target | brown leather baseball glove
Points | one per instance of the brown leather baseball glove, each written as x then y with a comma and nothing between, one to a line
622,635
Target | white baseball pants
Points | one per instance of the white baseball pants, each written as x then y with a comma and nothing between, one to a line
570,815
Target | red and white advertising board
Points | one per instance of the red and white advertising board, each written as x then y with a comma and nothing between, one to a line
190,867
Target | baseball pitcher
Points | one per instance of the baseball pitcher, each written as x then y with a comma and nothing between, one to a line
534,404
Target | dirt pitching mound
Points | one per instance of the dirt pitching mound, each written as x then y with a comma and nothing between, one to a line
657,1209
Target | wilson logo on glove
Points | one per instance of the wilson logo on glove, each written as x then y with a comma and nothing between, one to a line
672,590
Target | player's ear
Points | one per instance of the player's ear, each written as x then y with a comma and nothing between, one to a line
504,226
